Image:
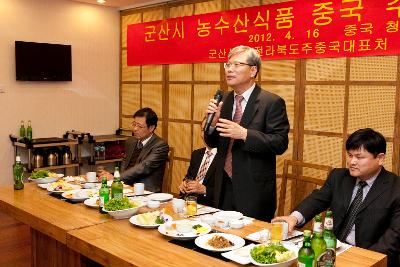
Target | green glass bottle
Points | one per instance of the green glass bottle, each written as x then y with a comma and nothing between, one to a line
306,253
329,256
104,194
317,242
116,186
18,172
22,132
29,131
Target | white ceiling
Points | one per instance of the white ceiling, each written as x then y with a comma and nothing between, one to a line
124,4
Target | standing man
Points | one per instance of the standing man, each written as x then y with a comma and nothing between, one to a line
146,153
200,174
250,128
364,198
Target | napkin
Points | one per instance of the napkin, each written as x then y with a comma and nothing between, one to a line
257,235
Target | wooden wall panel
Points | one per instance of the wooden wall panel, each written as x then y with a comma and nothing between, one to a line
323,150
180,96
278,70
242,3
180,72
267,2
326,69
127,123
197,140
389,156
125,21
373,68
130,94
324,108
129,73
152,73
202,95
287,155
152,15
159,129
180,11
179,137
207,72
372,106
152,97
207,7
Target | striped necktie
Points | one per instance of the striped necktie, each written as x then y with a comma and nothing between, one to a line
204,167
352,212
236,118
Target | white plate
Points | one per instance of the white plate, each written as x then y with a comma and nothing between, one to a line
228,215
167,230
43,186
201,242
162,197
91,202
78,195
73,186
240,255
133,221
45,180
287,263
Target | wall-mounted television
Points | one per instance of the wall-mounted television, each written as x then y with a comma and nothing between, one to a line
42,62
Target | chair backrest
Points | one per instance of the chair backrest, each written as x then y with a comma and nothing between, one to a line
167,180
302,179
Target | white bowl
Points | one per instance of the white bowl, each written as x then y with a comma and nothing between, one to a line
209,219
153,204
122,214
236,224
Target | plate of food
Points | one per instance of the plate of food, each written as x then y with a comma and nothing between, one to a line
61,186
274,255
121,208
150,219
219,242
162,197
184,229
78,195
44,177
92,202
75,179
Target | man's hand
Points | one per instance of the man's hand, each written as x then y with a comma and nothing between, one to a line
227,128
291,221
182,187
213,108
193,186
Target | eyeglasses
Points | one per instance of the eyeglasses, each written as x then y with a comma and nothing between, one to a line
236,64
135,124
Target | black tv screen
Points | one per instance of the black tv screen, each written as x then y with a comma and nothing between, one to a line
42,62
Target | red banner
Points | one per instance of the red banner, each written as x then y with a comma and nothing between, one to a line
299,29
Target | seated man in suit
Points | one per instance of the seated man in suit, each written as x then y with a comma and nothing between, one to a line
364,198
199,178
146,153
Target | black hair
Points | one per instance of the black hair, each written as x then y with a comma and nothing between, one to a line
367,138
149,114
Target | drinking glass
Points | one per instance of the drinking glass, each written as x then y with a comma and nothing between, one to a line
276,232
191,205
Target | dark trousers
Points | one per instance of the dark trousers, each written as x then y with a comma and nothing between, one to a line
227,201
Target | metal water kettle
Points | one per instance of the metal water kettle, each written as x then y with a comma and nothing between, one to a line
37,161
67,157
52,159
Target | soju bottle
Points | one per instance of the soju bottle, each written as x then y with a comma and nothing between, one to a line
306,253
22,132
18,172
329,256
116,186
317,242
104,194
29,131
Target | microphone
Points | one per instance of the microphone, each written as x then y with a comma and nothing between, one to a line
218,96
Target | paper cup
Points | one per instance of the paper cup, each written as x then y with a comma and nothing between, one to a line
91,177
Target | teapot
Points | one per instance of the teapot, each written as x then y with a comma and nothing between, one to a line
52,158
37,161
66,156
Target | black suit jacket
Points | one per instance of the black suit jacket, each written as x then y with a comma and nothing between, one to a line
378,221
150,164
253,161
208,182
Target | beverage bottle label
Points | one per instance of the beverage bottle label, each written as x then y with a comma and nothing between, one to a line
101,204
328,224
118,195
326,259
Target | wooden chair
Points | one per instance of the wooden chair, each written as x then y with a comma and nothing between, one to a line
301,185
167,180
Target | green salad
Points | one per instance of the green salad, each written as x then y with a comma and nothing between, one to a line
40,174
272,253
119,204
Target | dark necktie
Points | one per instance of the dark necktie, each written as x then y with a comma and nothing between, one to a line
236,118
136,153
204,167
352,212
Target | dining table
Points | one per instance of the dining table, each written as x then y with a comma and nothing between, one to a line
72,234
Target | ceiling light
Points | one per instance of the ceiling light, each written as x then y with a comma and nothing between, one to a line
101,1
